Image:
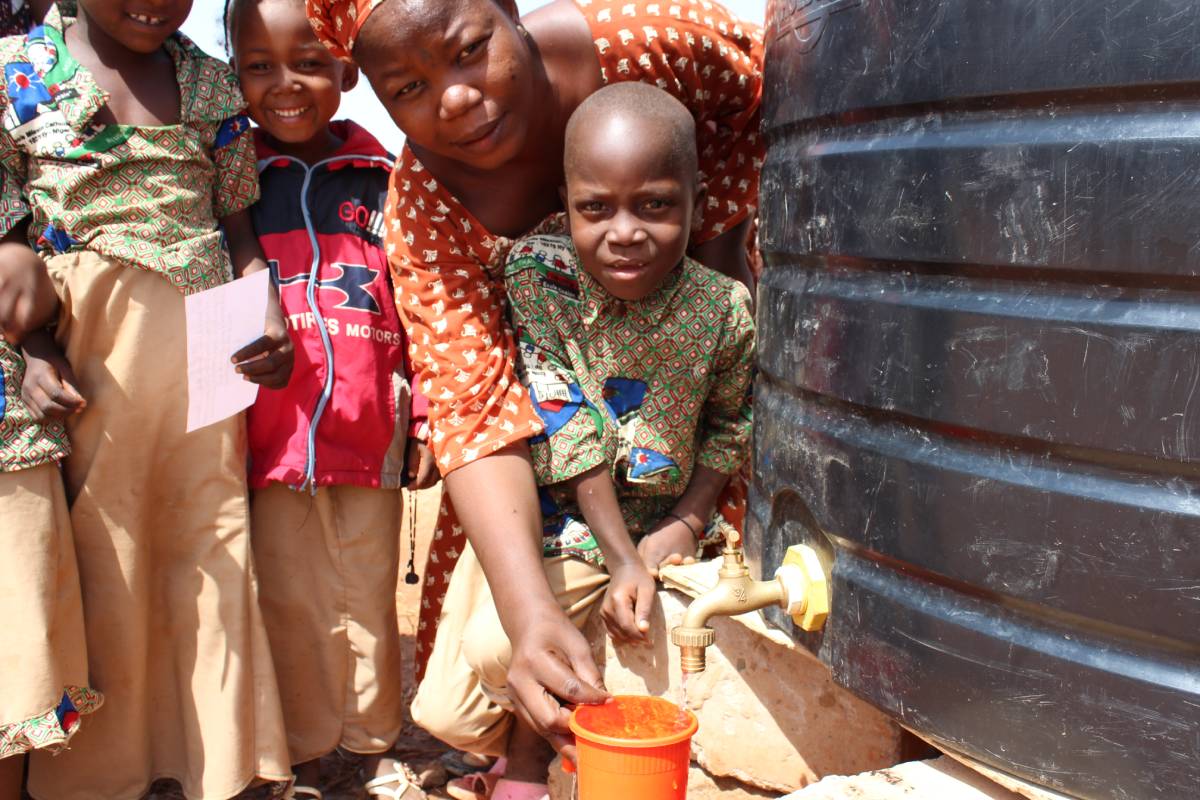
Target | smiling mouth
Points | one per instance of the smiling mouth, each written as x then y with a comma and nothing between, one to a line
146,19
290,113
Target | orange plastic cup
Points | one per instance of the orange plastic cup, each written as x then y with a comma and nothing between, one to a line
634,748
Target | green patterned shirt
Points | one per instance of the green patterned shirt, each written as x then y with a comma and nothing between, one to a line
651,388
149,196
23,442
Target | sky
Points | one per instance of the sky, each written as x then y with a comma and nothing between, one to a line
360,105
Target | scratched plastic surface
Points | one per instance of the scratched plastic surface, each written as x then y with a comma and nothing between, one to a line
979,386
634,718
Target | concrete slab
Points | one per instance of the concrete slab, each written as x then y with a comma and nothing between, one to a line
770,713
938,779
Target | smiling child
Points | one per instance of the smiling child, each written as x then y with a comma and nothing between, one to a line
330,451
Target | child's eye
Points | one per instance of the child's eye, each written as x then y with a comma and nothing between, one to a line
310,65
408,89
472,49
657,204
258,66
592,207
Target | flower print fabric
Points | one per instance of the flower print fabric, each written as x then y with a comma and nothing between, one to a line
148,196
651,388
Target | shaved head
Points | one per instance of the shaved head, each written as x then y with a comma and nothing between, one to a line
639,114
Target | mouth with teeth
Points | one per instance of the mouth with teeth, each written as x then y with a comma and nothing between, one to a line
146,19
290,114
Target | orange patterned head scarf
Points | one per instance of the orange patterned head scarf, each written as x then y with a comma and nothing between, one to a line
337,22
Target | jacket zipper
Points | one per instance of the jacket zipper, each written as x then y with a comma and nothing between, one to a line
310,457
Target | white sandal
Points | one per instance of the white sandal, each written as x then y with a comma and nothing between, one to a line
395,786
307,791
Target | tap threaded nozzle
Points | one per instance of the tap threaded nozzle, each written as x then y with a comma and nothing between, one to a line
693,644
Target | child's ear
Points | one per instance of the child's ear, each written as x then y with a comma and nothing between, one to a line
698,208
349,76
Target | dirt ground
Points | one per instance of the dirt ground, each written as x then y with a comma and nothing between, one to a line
417,748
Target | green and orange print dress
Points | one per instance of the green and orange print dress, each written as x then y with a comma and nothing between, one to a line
127,219
447,267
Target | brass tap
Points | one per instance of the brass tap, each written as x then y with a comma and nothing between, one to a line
801,587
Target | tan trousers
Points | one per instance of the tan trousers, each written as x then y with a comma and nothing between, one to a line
328,565
175,640
42,646
463,699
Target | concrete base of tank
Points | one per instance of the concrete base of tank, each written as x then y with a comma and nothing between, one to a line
936,779
770,714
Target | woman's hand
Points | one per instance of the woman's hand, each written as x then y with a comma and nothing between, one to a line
628,602
552,671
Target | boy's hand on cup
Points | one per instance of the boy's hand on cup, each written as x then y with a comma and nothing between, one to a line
28,301
49,390
421,469
671,542
628,602
268,360
552,670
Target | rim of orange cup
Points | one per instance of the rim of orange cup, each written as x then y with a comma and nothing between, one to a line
581,732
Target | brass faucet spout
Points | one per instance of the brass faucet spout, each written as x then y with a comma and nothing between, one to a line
801,586
735,593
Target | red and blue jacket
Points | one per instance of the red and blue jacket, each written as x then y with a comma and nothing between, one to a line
346,414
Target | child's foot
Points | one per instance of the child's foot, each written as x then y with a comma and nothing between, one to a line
520,790
477,785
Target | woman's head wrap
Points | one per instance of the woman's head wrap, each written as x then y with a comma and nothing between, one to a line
337,22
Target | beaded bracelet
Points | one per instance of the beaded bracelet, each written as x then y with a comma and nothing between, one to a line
687,524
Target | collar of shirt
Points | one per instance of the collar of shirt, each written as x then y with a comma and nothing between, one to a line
596,304
71,85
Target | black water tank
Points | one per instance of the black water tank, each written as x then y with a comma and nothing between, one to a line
979,346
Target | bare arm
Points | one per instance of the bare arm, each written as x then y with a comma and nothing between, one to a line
495,498
28,301
267,360
630,595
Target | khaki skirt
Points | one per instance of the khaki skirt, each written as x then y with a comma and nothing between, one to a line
43,655
175,640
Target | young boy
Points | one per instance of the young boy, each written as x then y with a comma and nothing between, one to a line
328,452
639,361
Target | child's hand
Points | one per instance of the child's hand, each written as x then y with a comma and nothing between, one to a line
671,542
627,603
267,360
421,472
27,297
49,389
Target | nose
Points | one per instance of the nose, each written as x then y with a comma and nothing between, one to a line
626,230
287,80
458,99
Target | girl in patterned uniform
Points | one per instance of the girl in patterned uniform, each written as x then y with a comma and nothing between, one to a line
43,652
325,477
483,99
122,148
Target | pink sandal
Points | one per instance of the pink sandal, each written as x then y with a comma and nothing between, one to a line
477,785
520,790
